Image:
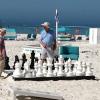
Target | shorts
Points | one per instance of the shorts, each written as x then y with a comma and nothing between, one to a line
47,52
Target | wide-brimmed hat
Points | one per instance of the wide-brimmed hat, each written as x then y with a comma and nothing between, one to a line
45,24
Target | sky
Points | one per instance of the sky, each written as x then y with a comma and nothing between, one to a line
35,12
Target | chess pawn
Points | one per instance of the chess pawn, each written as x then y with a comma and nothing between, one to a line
26,66
88,70
36,66
61,63
56,68
83,68
70,72
69,62
27,72
17,72
49,64
33,73
79,69
75,68
66,67
44,68
39,71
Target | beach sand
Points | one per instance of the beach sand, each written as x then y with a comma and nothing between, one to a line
69,89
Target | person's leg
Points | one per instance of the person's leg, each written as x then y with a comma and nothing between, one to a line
43,54
50,53
2,65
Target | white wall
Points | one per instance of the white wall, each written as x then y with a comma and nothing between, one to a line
94,36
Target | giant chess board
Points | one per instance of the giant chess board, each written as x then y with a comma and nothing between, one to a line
59,70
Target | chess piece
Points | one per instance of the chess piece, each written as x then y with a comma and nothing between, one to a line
44,68
56,68
79,69
66,67
36,66
39,70
32,60
23,60
27,72
36,59
56,58
7,67
83,68
70,72
89,70
61,63
33,73
16,60
49,64
75,68
17,72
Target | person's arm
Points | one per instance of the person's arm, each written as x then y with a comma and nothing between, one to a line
4,53
42,44
2,48
40,40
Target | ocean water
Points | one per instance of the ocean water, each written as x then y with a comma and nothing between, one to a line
82,30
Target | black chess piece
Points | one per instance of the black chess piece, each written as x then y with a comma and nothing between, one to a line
7,63
32,60
56,58
54,61
16,60
23,60
53,64
36,59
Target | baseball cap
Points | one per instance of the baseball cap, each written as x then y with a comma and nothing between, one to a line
45,24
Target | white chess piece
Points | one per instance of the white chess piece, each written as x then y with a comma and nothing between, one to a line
36,66
88,70
17,72
27,72
39,71
66,67
56,65
33,73
61,63
83,68
49,64
70,72
79,69
75,68
44,68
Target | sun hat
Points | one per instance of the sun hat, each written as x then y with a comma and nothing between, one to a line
45,24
